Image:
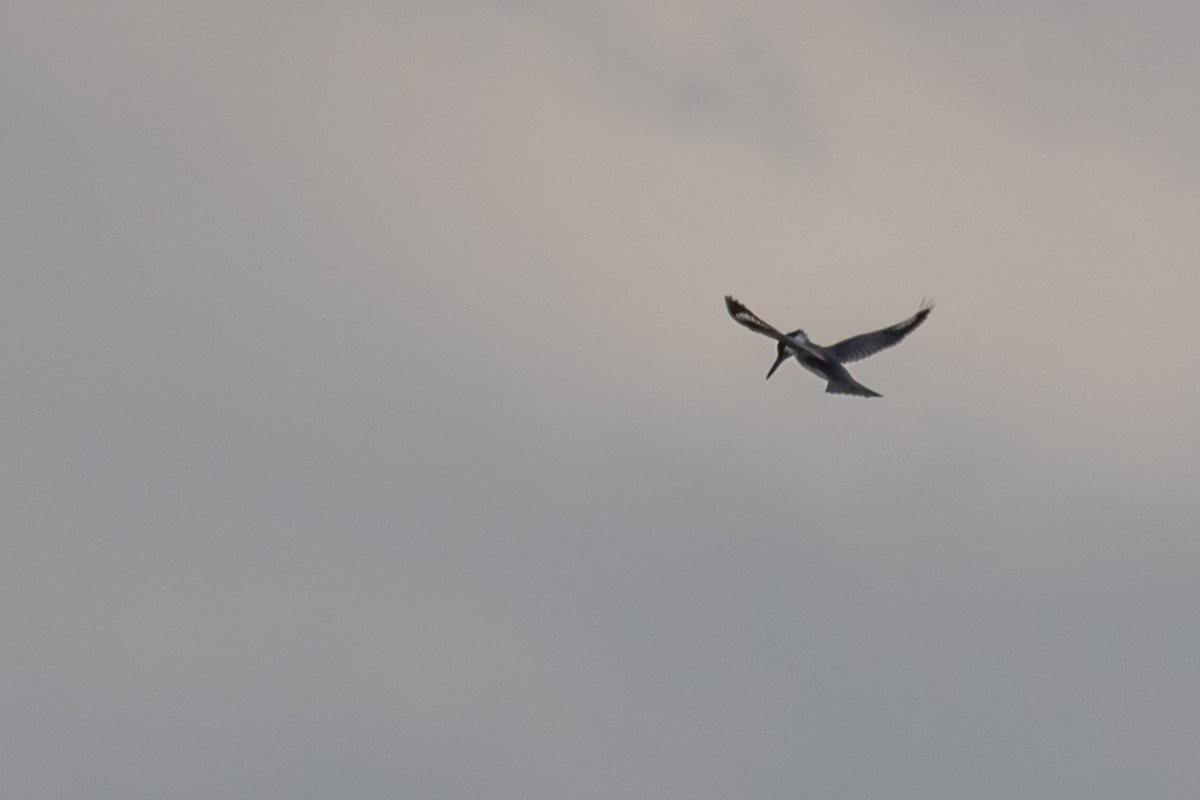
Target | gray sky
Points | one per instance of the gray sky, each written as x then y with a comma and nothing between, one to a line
374,427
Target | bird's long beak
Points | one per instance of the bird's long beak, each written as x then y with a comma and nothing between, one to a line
784,355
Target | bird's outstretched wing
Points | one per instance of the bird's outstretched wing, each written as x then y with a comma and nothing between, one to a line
868,344
749,319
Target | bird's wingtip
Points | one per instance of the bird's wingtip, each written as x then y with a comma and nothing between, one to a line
735,306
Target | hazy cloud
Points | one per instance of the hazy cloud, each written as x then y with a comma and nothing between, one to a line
374,425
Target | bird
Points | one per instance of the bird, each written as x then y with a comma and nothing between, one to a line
827,362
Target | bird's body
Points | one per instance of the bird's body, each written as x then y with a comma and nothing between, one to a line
827,362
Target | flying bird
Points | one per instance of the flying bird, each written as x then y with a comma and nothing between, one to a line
826,362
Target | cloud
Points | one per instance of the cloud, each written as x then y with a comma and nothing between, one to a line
374,424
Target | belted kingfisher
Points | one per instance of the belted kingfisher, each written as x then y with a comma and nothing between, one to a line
826,362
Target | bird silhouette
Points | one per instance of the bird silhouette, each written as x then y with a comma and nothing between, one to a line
826,362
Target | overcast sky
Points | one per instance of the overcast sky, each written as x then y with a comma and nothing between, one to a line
374,428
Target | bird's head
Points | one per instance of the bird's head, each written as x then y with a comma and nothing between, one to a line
783,353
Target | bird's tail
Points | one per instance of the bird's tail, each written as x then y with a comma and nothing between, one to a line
850,387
